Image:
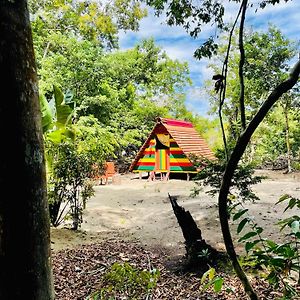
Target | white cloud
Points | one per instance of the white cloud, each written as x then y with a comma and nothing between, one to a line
153,26
283,15
277,9
179,45
197,101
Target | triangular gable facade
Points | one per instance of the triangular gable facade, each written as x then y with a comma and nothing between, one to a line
168,147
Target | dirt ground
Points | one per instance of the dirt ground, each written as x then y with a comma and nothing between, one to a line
135,209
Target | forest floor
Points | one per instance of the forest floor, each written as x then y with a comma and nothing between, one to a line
137,213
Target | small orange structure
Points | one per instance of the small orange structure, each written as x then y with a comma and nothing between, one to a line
109,171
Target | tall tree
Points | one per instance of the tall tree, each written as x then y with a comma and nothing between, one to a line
268,54
193,15
25,260
235,157
97,21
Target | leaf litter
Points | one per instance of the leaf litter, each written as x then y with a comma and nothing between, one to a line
78,273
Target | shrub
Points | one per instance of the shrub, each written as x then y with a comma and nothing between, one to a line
123,281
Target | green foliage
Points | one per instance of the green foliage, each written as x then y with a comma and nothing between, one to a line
71,168
271,138
279,262
71,150
208,49
126,282
47,117
209,279
94,140
268,55
90,20
192,17
56,122
209,130
124,90
56,113
69,184
242,180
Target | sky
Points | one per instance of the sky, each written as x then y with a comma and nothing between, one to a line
179,45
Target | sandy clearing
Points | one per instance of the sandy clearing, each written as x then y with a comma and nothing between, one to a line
140,210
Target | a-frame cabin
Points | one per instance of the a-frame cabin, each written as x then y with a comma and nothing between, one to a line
168,147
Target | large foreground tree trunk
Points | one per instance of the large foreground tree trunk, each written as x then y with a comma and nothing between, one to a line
25,264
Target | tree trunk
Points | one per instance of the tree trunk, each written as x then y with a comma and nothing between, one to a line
54,209
25,261
197,250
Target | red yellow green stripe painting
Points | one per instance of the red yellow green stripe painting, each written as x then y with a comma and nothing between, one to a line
168,146
164,160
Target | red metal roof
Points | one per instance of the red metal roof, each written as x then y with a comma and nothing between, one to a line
173,122
185,135
187,138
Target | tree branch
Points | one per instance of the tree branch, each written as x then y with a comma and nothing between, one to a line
223,89
241,64
232,164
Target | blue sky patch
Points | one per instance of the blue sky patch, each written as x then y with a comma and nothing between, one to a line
179,45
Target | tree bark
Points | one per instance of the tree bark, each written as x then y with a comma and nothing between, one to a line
194,243
25,261
232,164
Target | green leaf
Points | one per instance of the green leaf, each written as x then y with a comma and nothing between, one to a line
288,221
239,214
273,277
277,261
63,111
292,203
57,136
218,283
47,118
271,244
295,226
242,225
248,235
210,273
283,198
204,276
259,230
68,97
250,245
58,95
207,285
289,252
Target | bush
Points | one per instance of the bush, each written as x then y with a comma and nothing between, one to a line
124,281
